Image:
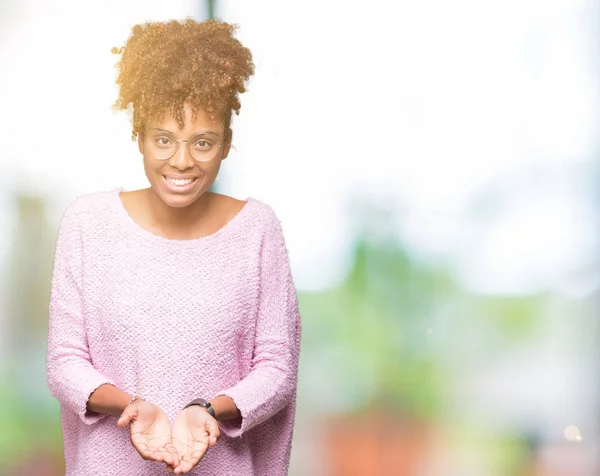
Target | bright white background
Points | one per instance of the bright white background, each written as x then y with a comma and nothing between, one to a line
424,106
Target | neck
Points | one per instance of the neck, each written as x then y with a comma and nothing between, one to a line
177,220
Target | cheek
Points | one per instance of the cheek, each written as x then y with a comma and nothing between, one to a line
207,171
218,161
213,169
151,169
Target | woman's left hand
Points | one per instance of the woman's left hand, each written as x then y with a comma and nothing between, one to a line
193,431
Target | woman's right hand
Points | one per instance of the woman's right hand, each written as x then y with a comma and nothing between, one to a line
150,432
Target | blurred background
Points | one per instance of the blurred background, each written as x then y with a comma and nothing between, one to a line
435,168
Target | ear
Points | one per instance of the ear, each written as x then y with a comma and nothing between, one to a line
227,143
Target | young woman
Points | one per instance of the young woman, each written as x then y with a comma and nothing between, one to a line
174,328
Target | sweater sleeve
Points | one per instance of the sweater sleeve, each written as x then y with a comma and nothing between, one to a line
70,374
272,380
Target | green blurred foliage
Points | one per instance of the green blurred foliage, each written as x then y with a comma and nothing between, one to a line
517,317
384,334
381,316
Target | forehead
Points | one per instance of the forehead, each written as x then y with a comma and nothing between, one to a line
161,131
195,119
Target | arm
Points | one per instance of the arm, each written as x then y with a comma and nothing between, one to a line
271,383
69,371
108,400
225,408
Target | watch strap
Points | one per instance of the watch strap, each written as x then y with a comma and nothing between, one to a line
204,404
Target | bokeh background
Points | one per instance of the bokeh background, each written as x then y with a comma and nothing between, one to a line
435,167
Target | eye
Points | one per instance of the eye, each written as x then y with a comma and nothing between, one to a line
163,141
202,144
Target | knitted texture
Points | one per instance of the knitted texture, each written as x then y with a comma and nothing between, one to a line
173,320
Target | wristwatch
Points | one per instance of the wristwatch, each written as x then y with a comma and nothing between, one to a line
202,403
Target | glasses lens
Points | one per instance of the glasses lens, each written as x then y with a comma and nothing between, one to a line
203,147
161,146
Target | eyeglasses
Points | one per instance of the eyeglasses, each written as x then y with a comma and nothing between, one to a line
202,146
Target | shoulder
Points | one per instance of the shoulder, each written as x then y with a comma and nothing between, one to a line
259,211
266,222
91,204
265,215
255,217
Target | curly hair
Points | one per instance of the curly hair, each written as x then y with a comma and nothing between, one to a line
163,65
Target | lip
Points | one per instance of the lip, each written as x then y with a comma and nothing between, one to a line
179,176
176,188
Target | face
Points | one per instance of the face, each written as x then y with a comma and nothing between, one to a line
181,180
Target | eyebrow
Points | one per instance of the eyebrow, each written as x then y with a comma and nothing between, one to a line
194,134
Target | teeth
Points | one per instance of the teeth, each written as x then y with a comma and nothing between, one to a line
178,182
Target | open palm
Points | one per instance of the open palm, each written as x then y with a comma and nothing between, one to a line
150,432
193,431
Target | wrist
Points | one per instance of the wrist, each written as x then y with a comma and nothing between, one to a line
126,400
225,408
200,402
134,398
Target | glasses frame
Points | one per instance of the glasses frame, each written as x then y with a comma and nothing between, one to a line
178,141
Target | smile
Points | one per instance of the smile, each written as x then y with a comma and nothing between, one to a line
179,185
179,182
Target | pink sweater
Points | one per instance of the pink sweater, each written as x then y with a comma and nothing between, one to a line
172,320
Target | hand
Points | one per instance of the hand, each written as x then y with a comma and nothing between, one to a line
193,431
150,432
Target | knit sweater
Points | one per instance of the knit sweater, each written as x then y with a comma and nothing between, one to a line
173,320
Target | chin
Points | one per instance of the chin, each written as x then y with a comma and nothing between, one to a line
177,202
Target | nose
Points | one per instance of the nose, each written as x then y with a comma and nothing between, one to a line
182,159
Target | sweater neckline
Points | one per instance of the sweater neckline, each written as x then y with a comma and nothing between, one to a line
135,227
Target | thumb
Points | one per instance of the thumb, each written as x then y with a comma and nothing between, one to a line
130,413
213,430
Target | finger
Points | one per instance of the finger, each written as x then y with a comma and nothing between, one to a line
174,454
148,453
168,456
158,455
213,430
188,462
170,469
165,455
130,413
184,467
180,447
